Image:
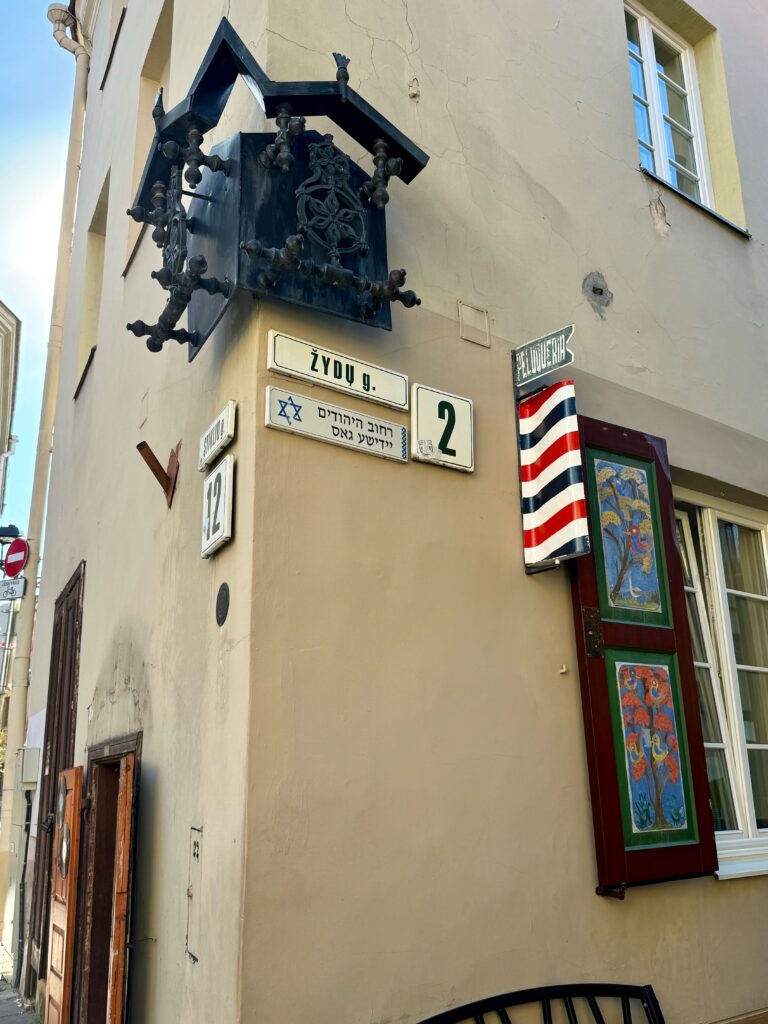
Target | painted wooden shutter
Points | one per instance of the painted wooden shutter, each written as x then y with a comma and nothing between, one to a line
650,802
121,902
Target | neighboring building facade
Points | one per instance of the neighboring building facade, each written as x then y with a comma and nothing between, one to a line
10,333
365,795
10,337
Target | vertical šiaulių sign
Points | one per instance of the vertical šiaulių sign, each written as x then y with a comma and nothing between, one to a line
542,356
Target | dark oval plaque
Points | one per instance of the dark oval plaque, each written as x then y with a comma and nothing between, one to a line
222,604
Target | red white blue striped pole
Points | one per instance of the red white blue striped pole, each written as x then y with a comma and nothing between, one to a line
551,477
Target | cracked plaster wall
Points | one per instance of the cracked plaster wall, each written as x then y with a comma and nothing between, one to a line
384,705
420,834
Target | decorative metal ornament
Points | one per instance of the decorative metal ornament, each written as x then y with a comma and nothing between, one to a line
278,153
178,276
61,801
286,214
175,247
65,849
328,211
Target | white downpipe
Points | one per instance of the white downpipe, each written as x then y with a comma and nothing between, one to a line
62,20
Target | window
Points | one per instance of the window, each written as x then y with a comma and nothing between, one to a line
725,568
92,284
666,104
155,75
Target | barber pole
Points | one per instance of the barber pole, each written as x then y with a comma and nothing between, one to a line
551,477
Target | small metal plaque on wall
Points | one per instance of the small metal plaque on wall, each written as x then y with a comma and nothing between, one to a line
299,414
217,506
442,429
296,358
218,435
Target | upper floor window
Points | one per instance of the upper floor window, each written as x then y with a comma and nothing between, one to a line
667,110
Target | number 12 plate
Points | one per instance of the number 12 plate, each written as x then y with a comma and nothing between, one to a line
217,506
442,428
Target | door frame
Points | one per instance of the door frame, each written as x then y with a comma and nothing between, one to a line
109,752
57,755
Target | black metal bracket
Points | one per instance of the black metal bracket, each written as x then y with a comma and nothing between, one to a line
593,632
333,208
165,477
615,892
278,153
179,276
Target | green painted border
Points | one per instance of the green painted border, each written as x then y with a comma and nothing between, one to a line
607,611
681,837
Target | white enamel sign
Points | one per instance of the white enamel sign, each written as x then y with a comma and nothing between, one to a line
217,506
12,590
299,414
296,358
217,436
442,428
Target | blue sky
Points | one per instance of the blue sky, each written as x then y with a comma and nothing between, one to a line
36,79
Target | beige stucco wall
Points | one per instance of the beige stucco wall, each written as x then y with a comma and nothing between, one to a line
385,757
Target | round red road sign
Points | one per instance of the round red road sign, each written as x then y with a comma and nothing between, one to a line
16,557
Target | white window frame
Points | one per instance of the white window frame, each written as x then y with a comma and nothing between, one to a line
742,852
647,25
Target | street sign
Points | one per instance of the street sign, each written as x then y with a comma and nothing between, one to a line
442,430
217,436
296,358
16,557
541,356
12,590
287,410
217,506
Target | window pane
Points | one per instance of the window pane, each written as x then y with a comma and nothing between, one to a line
754,705
687,578
668,61
680,148
633,34
684,184
636,73
642,122
758,769
743,558
709,724
749,623
646,159
721,801
697,640
673,103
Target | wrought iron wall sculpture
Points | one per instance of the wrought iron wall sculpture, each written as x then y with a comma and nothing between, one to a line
284,214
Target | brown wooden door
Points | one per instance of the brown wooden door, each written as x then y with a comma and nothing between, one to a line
58,753
61,943
120,904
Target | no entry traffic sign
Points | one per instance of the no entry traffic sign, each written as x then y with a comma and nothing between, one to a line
16,557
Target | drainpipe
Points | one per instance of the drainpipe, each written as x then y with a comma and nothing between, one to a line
62,19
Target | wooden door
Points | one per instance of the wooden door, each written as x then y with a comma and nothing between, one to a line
121,900
61,943
58,753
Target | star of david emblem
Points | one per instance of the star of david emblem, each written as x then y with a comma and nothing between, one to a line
289,408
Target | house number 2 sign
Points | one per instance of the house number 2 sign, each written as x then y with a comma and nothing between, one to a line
217,506
442,429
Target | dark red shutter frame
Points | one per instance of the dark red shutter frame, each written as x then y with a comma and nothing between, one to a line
618,867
